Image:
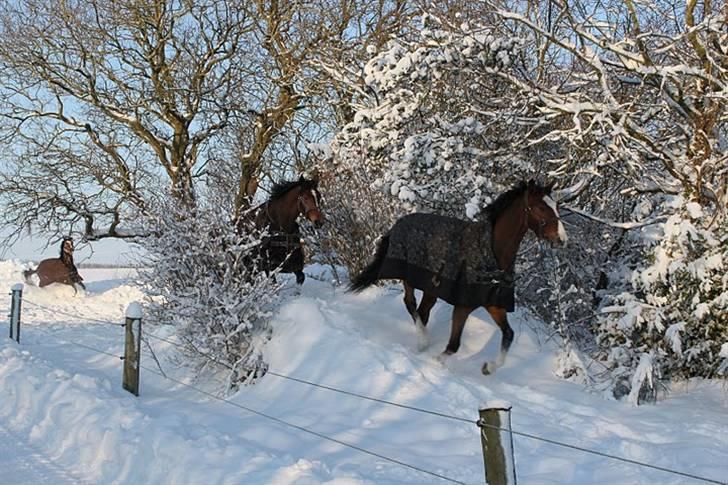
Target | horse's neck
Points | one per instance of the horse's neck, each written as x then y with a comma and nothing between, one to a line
508,231
67,259
282,215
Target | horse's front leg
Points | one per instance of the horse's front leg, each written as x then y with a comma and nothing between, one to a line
500,317
459,317
300,277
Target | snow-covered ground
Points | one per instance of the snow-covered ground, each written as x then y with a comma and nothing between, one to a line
64,417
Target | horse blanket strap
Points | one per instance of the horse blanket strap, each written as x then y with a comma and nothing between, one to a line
284,239
450,258
285,250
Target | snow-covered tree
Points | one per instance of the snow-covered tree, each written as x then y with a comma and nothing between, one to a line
427,134
675,309
642,112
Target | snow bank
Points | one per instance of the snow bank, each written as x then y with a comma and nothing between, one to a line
89,424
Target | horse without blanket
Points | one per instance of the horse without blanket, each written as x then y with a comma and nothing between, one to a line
467,264
57,270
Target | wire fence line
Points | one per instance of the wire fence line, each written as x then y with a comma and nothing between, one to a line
77,344
67,314
304,429
602,454
270,417
368,398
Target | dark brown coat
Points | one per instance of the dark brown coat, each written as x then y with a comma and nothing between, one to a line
57,270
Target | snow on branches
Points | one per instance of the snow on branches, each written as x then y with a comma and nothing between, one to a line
202,277
676,309
424,128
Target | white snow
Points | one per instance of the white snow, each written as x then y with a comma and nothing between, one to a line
134,310
65,418
495,404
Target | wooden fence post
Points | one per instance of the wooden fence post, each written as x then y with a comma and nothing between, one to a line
132,347
497,441
16,298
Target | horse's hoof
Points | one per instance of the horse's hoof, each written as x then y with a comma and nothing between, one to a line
486,371
442,358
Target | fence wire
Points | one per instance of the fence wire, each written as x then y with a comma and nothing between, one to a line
77,344
67,314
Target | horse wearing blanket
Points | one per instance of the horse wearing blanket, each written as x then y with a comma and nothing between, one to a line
467,264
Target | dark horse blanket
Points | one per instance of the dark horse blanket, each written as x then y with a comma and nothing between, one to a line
450,258
284,250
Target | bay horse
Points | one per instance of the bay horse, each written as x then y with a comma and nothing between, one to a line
467,264
282,247
57,270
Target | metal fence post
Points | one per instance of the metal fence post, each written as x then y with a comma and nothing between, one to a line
497,441
16,299
132,347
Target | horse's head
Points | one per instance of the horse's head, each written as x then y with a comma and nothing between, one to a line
542,216
308,203
66,246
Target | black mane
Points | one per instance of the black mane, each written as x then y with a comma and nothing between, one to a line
496,208
282,188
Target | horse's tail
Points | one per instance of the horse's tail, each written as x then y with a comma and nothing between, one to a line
370,274
27,274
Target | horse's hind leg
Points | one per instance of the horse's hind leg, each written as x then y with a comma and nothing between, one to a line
411,303
500,317
27,274
423,311
459,317
428,301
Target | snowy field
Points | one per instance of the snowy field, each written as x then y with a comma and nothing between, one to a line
64,417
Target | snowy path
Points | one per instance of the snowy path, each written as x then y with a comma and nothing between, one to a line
22,464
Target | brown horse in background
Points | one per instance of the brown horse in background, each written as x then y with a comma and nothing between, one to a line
57,270
282,247
468,264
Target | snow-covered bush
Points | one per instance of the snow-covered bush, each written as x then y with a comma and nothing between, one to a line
202,277
673,319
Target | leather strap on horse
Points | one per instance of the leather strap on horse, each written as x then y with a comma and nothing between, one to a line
285,240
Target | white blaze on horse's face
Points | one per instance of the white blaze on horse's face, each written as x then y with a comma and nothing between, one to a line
561,230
